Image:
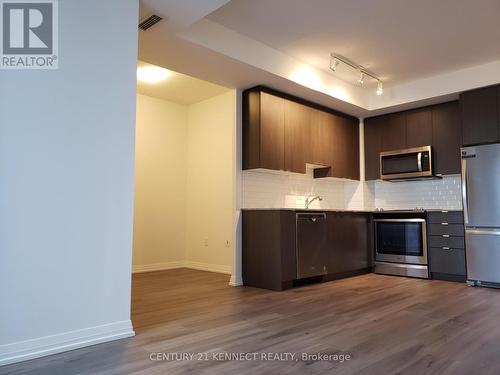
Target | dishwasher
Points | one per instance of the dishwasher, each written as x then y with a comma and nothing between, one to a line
311,244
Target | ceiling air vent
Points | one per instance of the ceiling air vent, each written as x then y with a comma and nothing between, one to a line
150,21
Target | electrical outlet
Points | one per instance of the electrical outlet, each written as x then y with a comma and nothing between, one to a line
228,243
205,242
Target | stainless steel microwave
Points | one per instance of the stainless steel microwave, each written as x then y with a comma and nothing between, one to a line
407,164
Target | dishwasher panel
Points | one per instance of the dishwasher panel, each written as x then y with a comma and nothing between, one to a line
312,249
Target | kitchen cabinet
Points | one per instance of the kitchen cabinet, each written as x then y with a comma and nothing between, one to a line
285,133
446,139
349,241
418,127
436,125
373,140
268,248
480,119
446,245
345,159
285,247
297,136
393,128
322,139
263,131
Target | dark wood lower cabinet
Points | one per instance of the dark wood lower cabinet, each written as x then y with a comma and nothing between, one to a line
349,240
446,246
269,247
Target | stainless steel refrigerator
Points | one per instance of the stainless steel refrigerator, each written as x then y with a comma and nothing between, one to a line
481,203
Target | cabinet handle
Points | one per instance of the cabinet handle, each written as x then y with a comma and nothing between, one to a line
444,223
446,248
446,235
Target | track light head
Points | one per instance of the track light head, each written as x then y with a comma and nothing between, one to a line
334,63
361,79
380,88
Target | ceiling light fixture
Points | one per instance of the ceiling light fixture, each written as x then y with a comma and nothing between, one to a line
152,74
335,60
361,79
334,63
380,88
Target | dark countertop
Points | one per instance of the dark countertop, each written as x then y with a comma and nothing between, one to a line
340,210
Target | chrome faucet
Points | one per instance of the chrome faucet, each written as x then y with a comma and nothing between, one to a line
311,199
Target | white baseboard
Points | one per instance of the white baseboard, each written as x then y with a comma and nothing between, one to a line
219,268
42,346
157,266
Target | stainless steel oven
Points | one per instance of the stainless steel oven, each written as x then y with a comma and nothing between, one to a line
407,164
401,245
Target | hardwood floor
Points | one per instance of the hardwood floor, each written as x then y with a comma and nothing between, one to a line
388,325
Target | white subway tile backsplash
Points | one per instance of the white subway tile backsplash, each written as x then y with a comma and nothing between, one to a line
264,189
430,194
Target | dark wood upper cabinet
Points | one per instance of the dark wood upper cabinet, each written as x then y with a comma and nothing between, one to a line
322,139
373,141
446,138
418,127
263,131
479,112
285,133
345,163
438,126
393,128
272,132
297,136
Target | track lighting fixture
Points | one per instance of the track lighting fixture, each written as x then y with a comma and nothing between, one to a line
335,60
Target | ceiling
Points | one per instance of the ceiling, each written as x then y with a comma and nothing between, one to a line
180,88
399,40
426,51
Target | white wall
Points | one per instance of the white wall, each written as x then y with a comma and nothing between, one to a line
66,186
184,198
210,183
160,184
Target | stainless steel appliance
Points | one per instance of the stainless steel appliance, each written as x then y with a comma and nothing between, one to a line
401,244
311,232
481,203
407,164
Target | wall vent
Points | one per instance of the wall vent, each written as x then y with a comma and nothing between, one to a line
149,22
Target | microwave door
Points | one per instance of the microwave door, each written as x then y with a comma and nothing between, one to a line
410,163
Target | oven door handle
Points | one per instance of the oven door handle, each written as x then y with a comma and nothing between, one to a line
419,161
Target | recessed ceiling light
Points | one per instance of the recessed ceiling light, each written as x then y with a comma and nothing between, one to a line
152,74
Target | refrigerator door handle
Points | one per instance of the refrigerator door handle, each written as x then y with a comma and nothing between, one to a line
487,232
465,202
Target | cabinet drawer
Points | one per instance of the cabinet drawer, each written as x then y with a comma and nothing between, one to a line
450,217
448,229
447,261
451,242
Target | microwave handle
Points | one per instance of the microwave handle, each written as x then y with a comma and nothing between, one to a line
419,161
